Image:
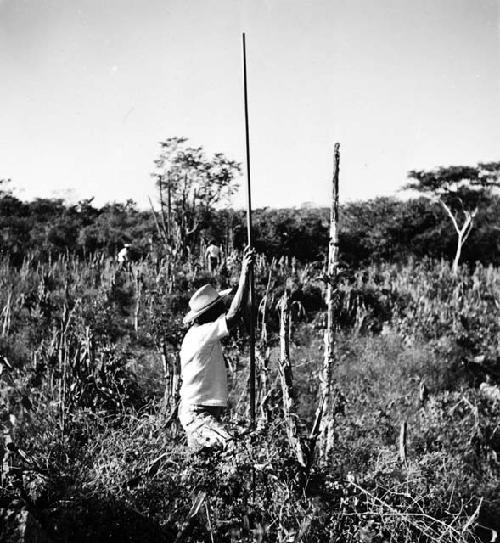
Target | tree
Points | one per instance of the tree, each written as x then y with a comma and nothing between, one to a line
15,224
461,191
190,184
368,227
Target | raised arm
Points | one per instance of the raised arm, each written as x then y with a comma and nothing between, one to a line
235,310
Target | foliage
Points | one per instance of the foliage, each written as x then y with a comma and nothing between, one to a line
371,231
190,186
91,449
461,191
95,454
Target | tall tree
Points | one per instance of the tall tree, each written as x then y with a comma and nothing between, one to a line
190,185
461,191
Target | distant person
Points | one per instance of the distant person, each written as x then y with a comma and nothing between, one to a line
213,256
123,255
204,391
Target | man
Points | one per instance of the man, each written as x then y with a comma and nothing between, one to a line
213,256
123,254
204,379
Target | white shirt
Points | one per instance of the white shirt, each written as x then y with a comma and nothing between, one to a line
213,251
204,377
122,255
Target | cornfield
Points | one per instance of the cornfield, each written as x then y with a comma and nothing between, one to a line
92,450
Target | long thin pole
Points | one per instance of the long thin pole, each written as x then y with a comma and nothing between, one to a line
249,236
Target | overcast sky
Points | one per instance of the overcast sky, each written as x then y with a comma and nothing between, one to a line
89,87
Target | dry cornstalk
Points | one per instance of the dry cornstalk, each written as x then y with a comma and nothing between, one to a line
166,370
138,292
285,371
176,381
6,315
263,356
172,372
403,438
423,394
6,456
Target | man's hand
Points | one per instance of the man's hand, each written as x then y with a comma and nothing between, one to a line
248,258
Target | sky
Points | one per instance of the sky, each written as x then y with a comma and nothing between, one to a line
88,89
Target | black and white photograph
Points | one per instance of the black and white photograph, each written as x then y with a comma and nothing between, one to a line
249,271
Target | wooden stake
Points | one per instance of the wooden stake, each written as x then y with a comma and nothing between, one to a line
403,437
328,401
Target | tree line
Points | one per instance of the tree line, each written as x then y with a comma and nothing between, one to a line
454,216
384,228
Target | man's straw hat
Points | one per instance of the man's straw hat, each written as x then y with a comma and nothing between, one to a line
202,300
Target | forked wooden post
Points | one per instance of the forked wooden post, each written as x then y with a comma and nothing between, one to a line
327,427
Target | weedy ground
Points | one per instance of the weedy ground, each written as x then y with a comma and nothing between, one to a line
92,453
